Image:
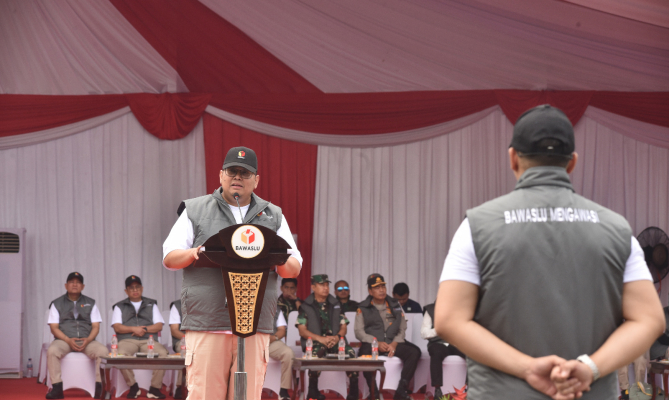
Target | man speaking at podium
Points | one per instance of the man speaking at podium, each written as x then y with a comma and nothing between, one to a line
211,358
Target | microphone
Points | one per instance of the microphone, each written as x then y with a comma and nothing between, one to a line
236,196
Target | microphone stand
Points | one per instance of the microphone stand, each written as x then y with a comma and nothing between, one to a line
240,375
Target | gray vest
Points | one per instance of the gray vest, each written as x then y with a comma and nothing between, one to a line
429,309
309,306
130,317
551,266
177,304
203,300
374,324
79,327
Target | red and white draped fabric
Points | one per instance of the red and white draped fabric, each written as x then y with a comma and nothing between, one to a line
379,123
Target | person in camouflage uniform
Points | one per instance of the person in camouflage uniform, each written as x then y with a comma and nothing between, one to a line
343,293
321,319
288,301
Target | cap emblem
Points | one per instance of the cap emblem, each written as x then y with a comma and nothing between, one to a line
241,154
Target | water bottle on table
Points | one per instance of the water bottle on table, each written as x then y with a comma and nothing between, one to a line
310,348
183,347
342,346
30,368
375,349
114,346
149,344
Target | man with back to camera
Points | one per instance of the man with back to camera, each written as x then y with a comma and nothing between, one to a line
74,320
134,320
380,316
542,275
321,320
401,293
343,292
205,314
177,337
288,300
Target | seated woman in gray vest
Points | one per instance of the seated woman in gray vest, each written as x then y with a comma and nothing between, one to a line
177,337
437,348
380,316
321,319
134,320
74,320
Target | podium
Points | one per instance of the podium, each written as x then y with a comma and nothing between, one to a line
245,253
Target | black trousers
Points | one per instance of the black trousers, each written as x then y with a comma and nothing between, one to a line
438,351
408,352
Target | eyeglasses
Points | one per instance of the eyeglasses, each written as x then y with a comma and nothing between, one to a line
340,288
232,172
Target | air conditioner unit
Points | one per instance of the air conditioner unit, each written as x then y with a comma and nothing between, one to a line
12,258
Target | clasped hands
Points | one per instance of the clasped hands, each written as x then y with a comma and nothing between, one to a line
78,344
559,378
329,341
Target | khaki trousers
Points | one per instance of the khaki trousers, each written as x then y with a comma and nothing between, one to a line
128,347
211,361
59,348
279,351
639,372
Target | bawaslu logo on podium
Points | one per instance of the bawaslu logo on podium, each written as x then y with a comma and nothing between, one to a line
247,241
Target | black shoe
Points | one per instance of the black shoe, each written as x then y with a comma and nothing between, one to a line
437,393
401,392
178,394
624,395
56,391
155,393
353,388
133,393
313,392
283,394
98,390
377,395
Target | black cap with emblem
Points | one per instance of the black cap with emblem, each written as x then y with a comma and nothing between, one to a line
543,130
75,275
241,157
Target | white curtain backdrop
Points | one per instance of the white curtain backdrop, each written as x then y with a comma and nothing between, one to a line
100,202
394,210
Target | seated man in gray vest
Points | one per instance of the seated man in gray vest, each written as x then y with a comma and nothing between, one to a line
380,316
74,320
542,275
278,350
134,320
177,337
437,348
321,319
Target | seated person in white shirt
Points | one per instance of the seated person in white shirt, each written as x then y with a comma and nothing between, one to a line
134,320
177,337
74,320
437,348
278,350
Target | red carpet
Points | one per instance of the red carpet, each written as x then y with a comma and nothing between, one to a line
29,389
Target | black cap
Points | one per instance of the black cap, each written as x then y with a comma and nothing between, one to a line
375,280
241,157
543,130
75,275
132,279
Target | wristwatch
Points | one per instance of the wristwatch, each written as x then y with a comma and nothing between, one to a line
585,359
